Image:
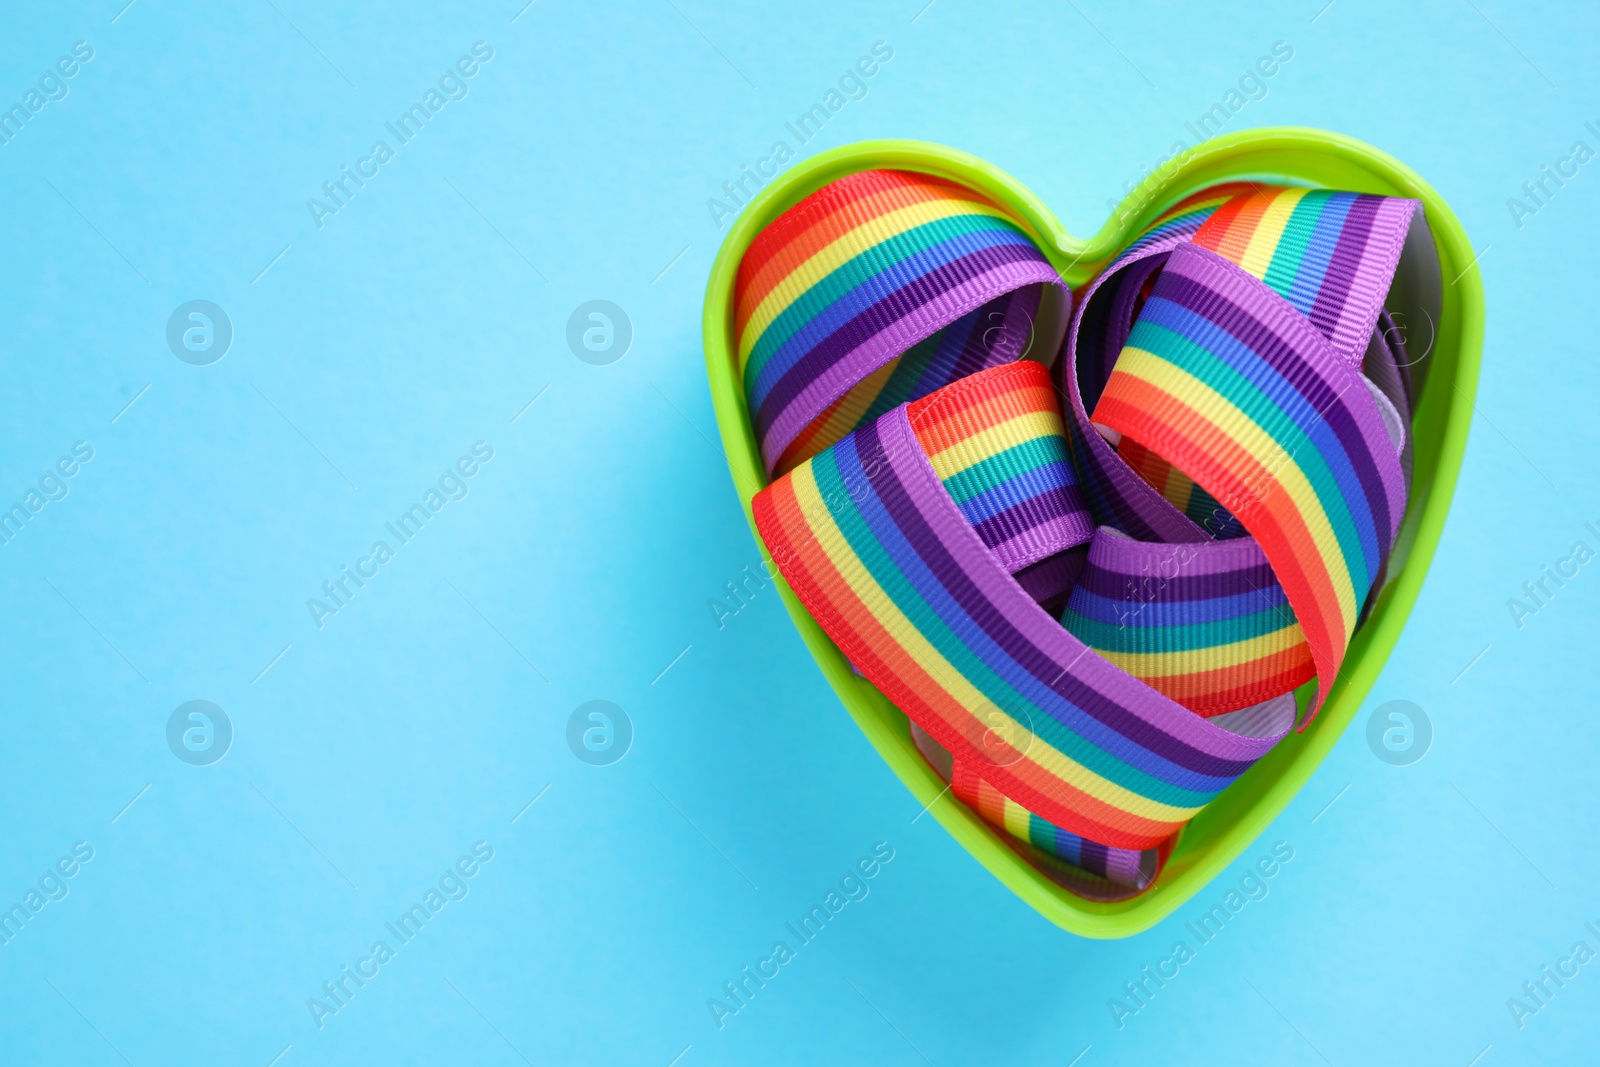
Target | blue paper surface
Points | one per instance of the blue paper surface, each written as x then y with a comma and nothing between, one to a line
396,348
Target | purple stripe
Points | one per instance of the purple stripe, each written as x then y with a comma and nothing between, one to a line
924,298
1016,334
1120,321
1373,277
1258,318
1092,856
1179,573
885,330
1119,496
959,348
1035,528
1342,266
1107,506
1050,580
898,528
1252,314
854,286
1384,365
916,500
1019,504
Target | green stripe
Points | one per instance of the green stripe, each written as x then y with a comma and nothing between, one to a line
881,565
905,377
1042,834
1274,421
1292,245
858,269
1186,637
1206,510
1001,467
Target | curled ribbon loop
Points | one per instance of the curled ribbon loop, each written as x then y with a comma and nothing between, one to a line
1095,622
877,289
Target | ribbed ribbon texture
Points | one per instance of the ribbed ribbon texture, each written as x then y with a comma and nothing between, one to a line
1092,589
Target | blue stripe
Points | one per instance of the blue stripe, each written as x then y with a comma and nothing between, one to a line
1137,636
1321,445
925,602
802,326
1098,607
1319,250
1013,491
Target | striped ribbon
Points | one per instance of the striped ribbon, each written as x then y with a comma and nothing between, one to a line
1208,536
877,289
1134,867
1205,624
1261,402
998,446
872,543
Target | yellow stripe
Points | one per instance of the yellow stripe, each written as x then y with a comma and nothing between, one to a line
846,247
856,403
1264,242
831,540
1199,205
970,451
1193,661
1238,427
1179,488
1017,818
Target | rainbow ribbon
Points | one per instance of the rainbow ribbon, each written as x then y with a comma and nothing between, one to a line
1095,623
877,289
1261,402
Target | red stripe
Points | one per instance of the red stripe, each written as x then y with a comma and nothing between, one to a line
822,218
793,223
1219,691
1227,232
799,449
1128,405
968,407
1225,191
888,666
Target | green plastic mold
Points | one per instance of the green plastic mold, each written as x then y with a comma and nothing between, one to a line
1293,156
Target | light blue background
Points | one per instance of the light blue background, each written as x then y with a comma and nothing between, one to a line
428,713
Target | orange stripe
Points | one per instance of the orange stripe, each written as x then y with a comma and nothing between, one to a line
1225,471
836,196
918,695
957,397
992,804
1166,479
778,263
1228,231
1217,193
1018,392
1225,689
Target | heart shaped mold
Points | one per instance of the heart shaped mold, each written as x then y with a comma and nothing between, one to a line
1443,292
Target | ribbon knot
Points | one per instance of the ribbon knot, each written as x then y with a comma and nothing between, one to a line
1095,623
